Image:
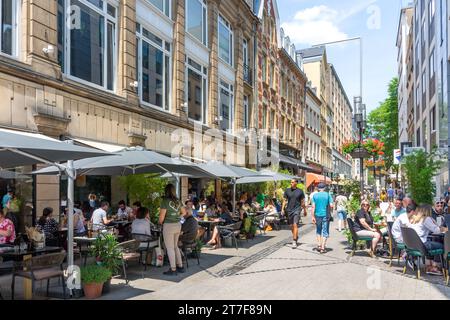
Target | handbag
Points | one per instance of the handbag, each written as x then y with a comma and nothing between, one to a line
158,256
329,215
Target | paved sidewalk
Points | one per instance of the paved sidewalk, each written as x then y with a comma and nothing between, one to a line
269,268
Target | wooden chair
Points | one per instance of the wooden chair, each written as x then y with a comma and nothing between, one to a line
44,267
130,252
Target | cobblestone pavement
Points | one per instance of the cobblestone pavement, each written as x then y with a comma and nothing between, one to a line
269,268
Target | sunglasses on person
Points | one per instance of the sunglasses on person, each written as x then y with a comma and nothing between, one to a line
366,205
440,203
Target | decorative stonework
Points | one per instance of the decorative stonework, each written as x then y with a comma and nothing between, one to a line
51,125
136,140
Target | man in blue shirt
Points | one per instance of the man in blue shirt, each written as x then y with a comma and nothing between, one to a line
390,193
398,210
322,206
7,198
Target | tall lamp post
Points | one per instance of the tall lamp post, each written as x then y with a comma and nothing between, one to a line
361,124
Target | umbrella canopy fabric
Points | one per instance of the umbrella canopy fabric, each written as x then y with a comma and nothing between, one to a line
9,175
265,176
131,161
22,148
221,170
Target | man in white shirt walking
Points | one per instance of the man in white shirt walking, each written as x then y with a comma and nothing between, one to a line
341,208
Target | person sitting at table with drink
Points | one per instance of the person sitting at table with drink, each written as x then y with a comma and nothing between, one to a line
7,230
141,225
99,217
190,204
363,226
49,226
224,219
189,228
271,211
423,223
124,212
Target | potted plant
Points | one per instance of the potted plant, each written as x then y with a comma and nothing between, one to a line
93,277
107,254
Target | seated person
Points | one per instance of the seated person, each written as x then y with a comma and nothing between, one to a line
424,225
99,217
141,225
7,230
190,204
189,228
225,219
124,212
403,221
271,210
364,226
49,226
78,222
438,213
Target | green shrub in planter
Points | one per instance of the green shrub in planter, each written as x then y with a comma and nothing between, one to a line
95,274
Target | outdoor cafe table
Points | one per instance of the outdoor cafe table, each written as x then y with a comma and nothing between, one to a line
208,225
18,256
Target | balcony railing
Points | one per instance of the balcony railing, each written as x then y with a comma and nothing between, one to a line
248,74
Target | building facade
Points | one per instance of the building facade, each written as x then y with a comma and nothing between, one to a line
281,88
425,68
342,125
405,46
315,65
126,73
313,142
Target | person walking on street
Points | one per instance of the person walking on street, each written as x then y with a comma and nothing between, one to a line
294,201
341,207
322,206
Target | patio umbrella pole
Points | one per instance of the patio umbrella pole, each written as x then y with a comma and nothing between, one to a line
234,195
70,195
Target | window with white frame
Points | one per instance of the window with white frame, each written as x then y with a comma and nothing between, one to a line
226,102
196,20
87,42
432,64
197,77
225,41
9,10
163,5
153,69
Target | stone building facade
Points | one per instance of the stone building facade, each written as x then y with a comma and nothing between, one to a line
126,72
281,86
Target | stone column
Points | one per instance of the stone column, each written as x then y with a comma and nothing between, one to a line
39,20
127,68
179,53
213,101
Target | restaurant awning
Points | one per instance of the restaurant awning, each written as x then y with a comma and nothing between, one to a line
265,176
132,161
294,162
316,178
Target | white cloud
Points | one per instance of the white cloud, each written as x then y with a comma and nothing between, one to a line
314,25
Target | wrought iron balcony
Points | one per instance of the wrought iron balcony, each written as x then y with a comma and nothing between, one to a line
248,74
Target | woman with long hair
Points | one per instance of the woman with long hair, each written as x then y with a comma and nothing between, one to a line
7,230
169,218
423,223
49,226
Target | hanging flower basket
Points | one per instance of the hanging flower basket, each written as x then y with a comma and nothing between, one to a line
367,149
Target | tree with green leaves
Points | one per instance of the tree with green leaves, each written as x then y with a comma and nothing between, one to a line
147,189
420,168
383,124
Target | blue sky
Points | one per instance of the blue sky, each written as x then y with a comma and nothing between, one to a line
309,22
